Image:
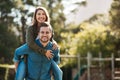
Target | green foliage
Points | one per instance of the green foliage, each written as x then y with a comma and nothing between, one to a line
8,39
115,14
5,6
8,43
94,36
95,39
57,16
115,23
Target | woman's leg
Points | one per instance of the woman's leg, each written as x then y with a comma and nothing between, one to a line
21,71
57,72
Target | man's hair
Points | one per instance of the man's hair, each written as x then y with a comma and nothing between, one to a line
46,24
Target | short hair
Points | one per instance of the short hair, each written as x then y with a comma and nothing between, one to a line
45,24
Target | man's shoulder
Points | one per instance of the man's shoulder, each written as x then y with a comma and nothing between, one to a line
22,48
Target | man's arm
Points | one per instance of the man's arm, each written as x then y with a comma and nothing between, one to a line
18,54
16,60
16,65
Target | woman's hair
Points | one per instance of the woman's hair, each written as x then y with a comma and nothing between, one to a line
34,21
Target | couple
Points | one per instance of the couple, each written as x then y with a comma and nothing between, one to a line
39,40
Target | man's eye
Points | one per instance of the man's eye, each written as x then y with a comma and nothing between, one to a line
42,32
47,32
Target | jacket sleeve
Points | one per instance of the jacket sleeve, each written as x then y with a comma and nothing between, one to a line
56,57
19,52
30,40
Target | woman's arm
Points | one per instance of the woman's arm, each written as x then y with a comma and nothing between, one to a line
30,40
55,45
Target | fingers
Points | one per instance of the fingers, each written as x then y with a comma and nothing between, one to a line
49,54
55,46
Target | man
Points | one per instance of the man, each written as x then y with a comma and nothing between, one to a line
39,67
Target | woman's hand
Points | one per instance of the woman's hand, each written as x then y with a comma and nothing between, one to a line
55,46
49,54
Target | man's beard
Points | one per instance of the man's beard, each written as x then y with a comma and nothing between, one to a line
44,40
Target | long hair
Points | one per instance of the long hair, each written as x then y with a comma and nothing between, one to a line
34,21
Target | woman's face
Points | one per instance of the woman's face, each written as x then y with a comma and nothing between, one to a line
40,16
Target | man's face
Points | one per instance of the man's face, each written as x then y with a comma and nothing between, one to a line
45,34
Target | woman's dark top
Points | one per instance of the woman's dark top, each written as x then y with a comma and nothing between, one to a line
31,35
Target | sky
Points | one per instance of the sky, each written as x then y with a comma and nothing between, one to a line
84,13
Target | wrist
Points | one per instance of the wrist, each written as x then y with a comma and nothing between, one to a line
42,51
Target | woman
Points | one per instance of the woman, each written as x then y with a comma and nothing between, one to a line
40,15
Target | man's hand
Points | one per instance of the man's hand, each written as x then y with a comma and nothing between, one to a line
49,54
16,65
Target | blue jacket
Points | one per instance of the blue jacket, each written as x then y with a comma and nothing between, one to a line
38,65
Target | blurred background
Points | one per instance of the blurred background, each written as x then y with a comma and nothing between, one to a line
87,31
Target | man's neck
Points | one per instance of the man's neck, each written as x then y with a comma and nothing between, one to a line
44,44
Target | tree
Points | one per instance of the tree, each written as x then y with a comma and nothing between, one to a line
115,22
8,39
93,35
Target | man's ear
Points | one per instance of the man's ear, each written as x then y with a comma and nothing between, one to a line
50,35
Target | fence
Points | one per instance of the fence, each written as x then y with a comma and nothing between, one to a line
7,67
89,59
99,59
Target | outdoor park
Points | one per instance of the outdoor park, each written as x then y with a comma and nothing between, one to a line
87,32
